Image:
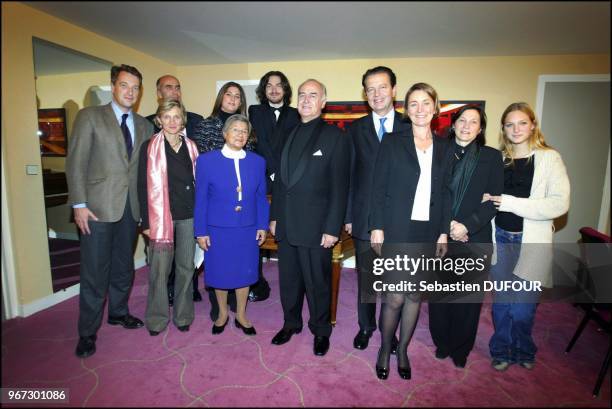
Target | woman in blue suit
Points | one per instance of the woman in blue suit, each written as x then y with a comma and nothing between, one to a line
231,218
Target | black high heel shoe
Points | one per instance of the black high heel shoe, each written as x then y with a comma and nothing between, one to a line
217,330
404,372
382,372
247,331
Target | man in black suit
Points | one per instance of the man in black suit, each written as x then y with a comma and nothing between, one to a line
169,87
365,134
272,119
308,205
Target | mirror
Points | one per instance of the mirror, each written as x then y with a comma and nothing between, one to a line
66,81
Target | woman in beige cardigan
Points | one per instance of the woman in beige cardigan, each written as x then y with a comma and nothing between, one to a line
536,190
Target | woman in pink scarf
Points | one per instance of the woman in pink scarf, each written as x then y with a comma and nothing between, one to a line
166,195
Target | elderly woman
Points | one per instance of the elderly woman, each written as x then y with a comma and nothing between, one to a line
231,219
475,169
166,195
208,135
536,191
208,132
410,204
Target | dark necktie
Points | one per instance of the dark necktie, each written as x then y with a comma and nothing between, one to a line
126,135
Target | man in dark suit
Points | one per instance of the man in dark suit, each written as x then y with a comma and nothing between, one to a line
102,170
169,87
272,119
365,134
308,205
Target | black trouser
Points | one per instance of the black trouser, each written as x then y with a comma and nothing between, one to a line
453,327
305,270
366,311
107,266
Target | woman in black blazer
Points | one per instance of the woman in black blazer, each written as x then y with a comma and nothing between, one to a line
475,169
409,205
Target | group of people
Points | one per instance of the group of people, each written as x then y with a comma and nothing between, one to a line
387,179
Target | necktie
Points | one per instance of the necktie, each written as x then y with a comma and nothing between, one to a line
381,130
126,135
276,114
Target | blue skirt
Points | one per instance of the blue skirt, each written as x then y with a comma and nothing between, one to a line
232,259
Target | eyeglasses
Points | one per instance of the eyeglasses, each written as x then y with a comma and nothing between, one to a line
240,131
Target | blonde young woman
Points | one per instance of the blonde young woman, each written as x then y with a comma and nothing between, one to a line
536,191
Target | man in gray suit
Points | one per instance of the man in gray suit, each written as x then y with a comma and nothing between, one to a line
102,170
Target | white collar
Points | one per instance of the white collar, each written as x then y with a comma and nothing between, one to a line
390,116
276,106
232,154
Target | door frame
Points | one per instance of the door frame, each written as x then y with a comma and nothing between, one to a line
604,210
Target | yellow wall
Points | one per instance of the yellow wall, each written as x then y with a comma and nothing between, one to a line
497,80
19,125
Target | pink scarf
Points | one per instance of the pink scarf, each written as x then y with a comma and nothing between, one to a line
160,219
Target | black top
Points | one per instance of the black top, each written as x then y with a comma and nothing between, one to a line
271,134
223,116
517,182
302,136
396,176
487,177
180,183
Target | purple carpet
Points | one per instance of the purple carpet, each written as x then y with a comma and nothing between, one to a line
175,369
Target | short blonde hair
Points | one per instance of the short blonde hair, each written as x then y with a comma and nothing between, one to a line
167,105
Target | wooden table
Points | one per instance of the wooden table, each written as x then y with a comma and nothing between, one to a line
341,251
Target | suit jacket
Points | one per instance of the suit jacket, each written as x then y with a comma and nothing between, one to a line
192,121
313,200
216,199
488,177
271,134
364,148
396,175
98,171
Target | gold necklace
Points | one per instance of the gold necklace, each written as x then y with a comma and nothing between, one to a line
176,144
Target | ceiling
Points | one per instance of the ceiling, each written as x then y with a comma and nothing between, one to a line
194,33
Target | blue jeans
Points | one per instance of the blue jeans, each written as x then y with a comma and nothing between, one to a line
513,311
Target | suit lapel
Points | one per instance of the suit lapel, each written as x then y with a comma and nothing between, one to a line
369,130
140,137
285,153
115,130
408,143
398,123
306,155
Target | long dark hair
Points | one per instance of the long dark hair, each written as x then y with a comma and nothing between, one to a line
480,138
260,91
217,106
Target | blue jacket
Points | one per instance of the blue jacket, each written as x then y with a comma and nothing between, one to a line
216,197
